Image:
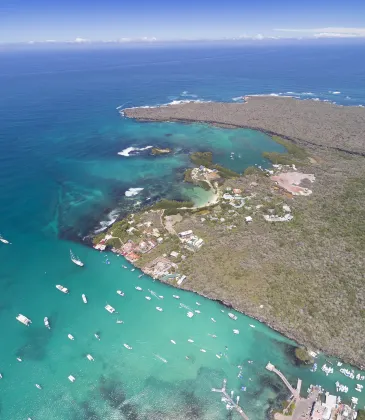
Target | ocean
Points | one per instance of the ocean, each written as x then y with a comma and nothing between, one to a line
61,179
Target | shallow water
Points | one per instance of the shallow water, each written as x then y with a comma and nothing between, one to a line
61,175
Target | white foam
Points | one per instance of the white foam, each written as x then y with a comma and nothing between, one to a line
111,218
335,92
187,94
133,191
126,152
238,98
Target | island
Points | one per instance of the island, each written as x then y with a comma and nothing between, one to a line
283,244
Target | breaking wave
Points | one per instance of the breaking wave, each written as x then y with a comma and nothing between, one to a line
133,191
111,218
127,152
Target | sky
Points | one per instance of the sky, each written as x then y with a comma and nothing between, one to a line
169,20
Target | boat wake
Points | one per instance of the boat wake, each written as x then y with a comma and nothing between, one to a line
133,150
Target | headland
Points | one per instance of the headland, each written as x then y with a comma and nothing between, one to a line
283,245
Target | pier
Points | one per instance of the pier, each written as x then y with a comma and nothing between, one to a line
229,400
294,392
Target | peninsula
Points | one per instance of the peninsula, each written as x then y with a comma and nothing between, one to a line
284,245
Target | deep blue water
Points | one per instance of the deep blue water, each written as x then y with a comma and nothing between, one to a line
60,175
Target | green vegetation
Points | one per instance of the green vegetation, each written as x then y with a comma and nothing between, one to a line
303,356
294,155
252,170
361,415
206,159
171,204
98,238
114,243
204,185
187,175
288,411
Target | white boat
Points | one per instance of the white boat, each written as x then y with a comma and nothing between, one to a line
4,241
46,323
141,275
71,337
190,314
198,303
173,341
176,296
61,288
203,351
190,340
252,326
197,311
161,297
124,266
148,297
24,320
71,378
97,336
110,309
232,316
120,322
213,319
133,269
138,288
1,376
120,293
159,309
19,359
38,386
127,347
89,357
222,311
236,331
76,260
84,298
218,355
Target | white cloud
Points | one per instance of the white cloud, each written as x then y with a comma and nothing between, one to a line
258,37
80,40
329,32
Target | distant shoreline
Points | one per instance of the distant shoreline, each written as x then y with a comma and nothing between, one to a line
306,122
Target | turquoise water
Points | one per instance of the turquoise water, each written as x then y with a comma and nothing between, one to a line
60,176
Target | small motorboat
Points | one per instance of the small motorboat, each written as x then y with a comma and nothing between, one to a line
127,346
4,241
148,297
61,288
197,311
138,288
159,309
218,355
198,303
232,316
173,341
176,296
84,298
1,376
38,386
161,297
120,321
19,359
252,326
71,337
120,293
97,336
190,314
110,309
133,269
24,320
124,266
190,340
203,351
222,311
71,378
236,331
141,275
89,357
46,323
213,320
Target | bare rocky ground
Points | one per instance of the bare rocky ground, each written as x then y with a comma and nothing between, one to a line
305,277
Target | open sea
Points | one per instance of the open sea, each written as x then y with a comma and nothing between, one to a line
61,178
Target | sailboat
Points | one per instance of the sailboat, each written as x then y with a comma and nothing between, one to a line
76,260
4,241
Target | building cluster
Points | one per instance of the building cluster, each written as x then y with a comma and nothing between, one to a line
191,241
332,409
160,267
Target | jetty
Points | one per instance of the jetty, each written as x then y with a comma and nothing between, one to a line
230,403
295,392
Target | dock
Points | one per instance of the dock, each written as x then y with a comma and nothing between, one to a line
295,392
229,400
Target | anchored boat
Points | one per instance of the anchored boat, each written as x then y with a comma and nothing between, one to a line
4,241
71,378
76,260
120,293
110,309
127,347
84,298
46,323
232,316
24,320
61,288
